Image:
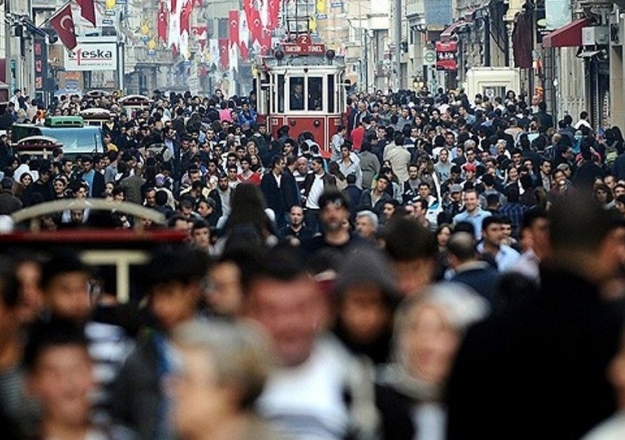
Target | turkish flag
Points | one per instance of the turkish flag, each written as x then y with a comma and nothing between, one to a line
244,37
87,10
274,12
224,53
265,41
233,30
256,27
63,24
185,16
248,6
201,33
162,22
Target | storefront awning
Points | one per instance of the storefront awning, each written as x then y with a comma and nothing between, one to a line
588,54
569,35
453,28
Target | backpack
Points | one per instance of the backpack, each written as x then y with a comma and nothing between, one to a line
611,153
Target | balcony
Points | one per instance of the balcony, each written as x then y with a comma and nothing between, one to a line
415,9
43,5
140,55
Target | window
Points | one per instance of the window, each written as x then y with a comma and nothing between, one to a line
315,94
331,93
279,98
296,93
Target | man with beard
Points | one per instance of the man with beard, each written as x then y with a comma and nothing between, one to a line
334,219
221,196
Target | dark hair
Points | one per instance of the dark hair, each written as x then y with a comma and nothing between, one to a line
176,264
281,263
47,335
248,208
9,285
491,220
406,240
578,223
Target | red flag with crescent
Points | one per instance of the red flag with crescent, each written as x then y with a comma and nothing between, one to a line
63,23
265,41
201,33
248,6
87,10
185,16
224,53
274,12
233,30
256,27
244,37
162,22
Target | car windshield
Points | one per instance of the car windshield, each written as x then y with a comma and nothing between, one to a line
76,140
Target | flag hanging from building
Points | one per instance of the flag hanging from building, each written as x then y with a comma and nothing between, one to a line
264,12
213,50
201,34
256,28
87,10
244,37
274,12
63,23
233,30
224,53
173,31
162,22
234,57
185,16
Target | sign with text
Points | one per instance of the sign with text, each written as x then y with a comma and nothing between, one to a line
90,56
446,58
304,46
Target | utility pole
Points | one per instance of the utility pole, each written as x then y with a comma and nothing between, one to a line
397,41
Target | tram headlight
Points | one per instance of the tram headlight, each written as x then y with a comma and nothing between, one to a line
330,54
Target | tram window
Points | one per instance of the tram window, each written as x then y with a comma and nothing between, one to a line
280,96
296,96
315,94
331,92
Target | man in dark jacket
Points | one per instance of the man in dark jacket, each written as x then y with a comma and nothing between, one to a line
538,367
276,186
8,202
314,185
478,275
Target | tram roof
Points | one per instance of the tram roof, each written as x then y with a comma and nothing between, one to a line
306,61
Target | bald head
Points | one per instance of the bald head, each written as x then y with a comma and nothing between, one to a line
462,246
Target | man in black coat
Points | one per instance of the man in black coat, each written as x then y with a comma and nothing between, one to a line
277,187
537,369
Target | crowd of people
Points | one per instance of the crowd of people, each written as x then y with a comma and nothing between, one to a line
445,267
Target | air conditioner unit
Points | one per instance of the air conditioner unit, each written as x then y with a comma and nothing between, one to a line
595,35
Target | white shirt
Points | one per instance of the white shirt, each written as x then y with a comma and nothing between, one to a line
312,202
278,179
506,257
307,400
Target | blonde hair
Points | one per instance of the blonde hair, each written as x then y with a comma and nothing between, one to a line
240,354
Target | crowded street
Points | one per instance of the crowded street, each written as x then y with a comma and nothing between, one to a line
289,250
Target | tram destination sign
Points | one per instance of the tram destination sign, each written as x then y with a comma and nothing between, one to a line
300,48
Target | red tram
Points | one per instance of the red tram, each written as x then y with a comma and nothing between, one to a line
301,85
